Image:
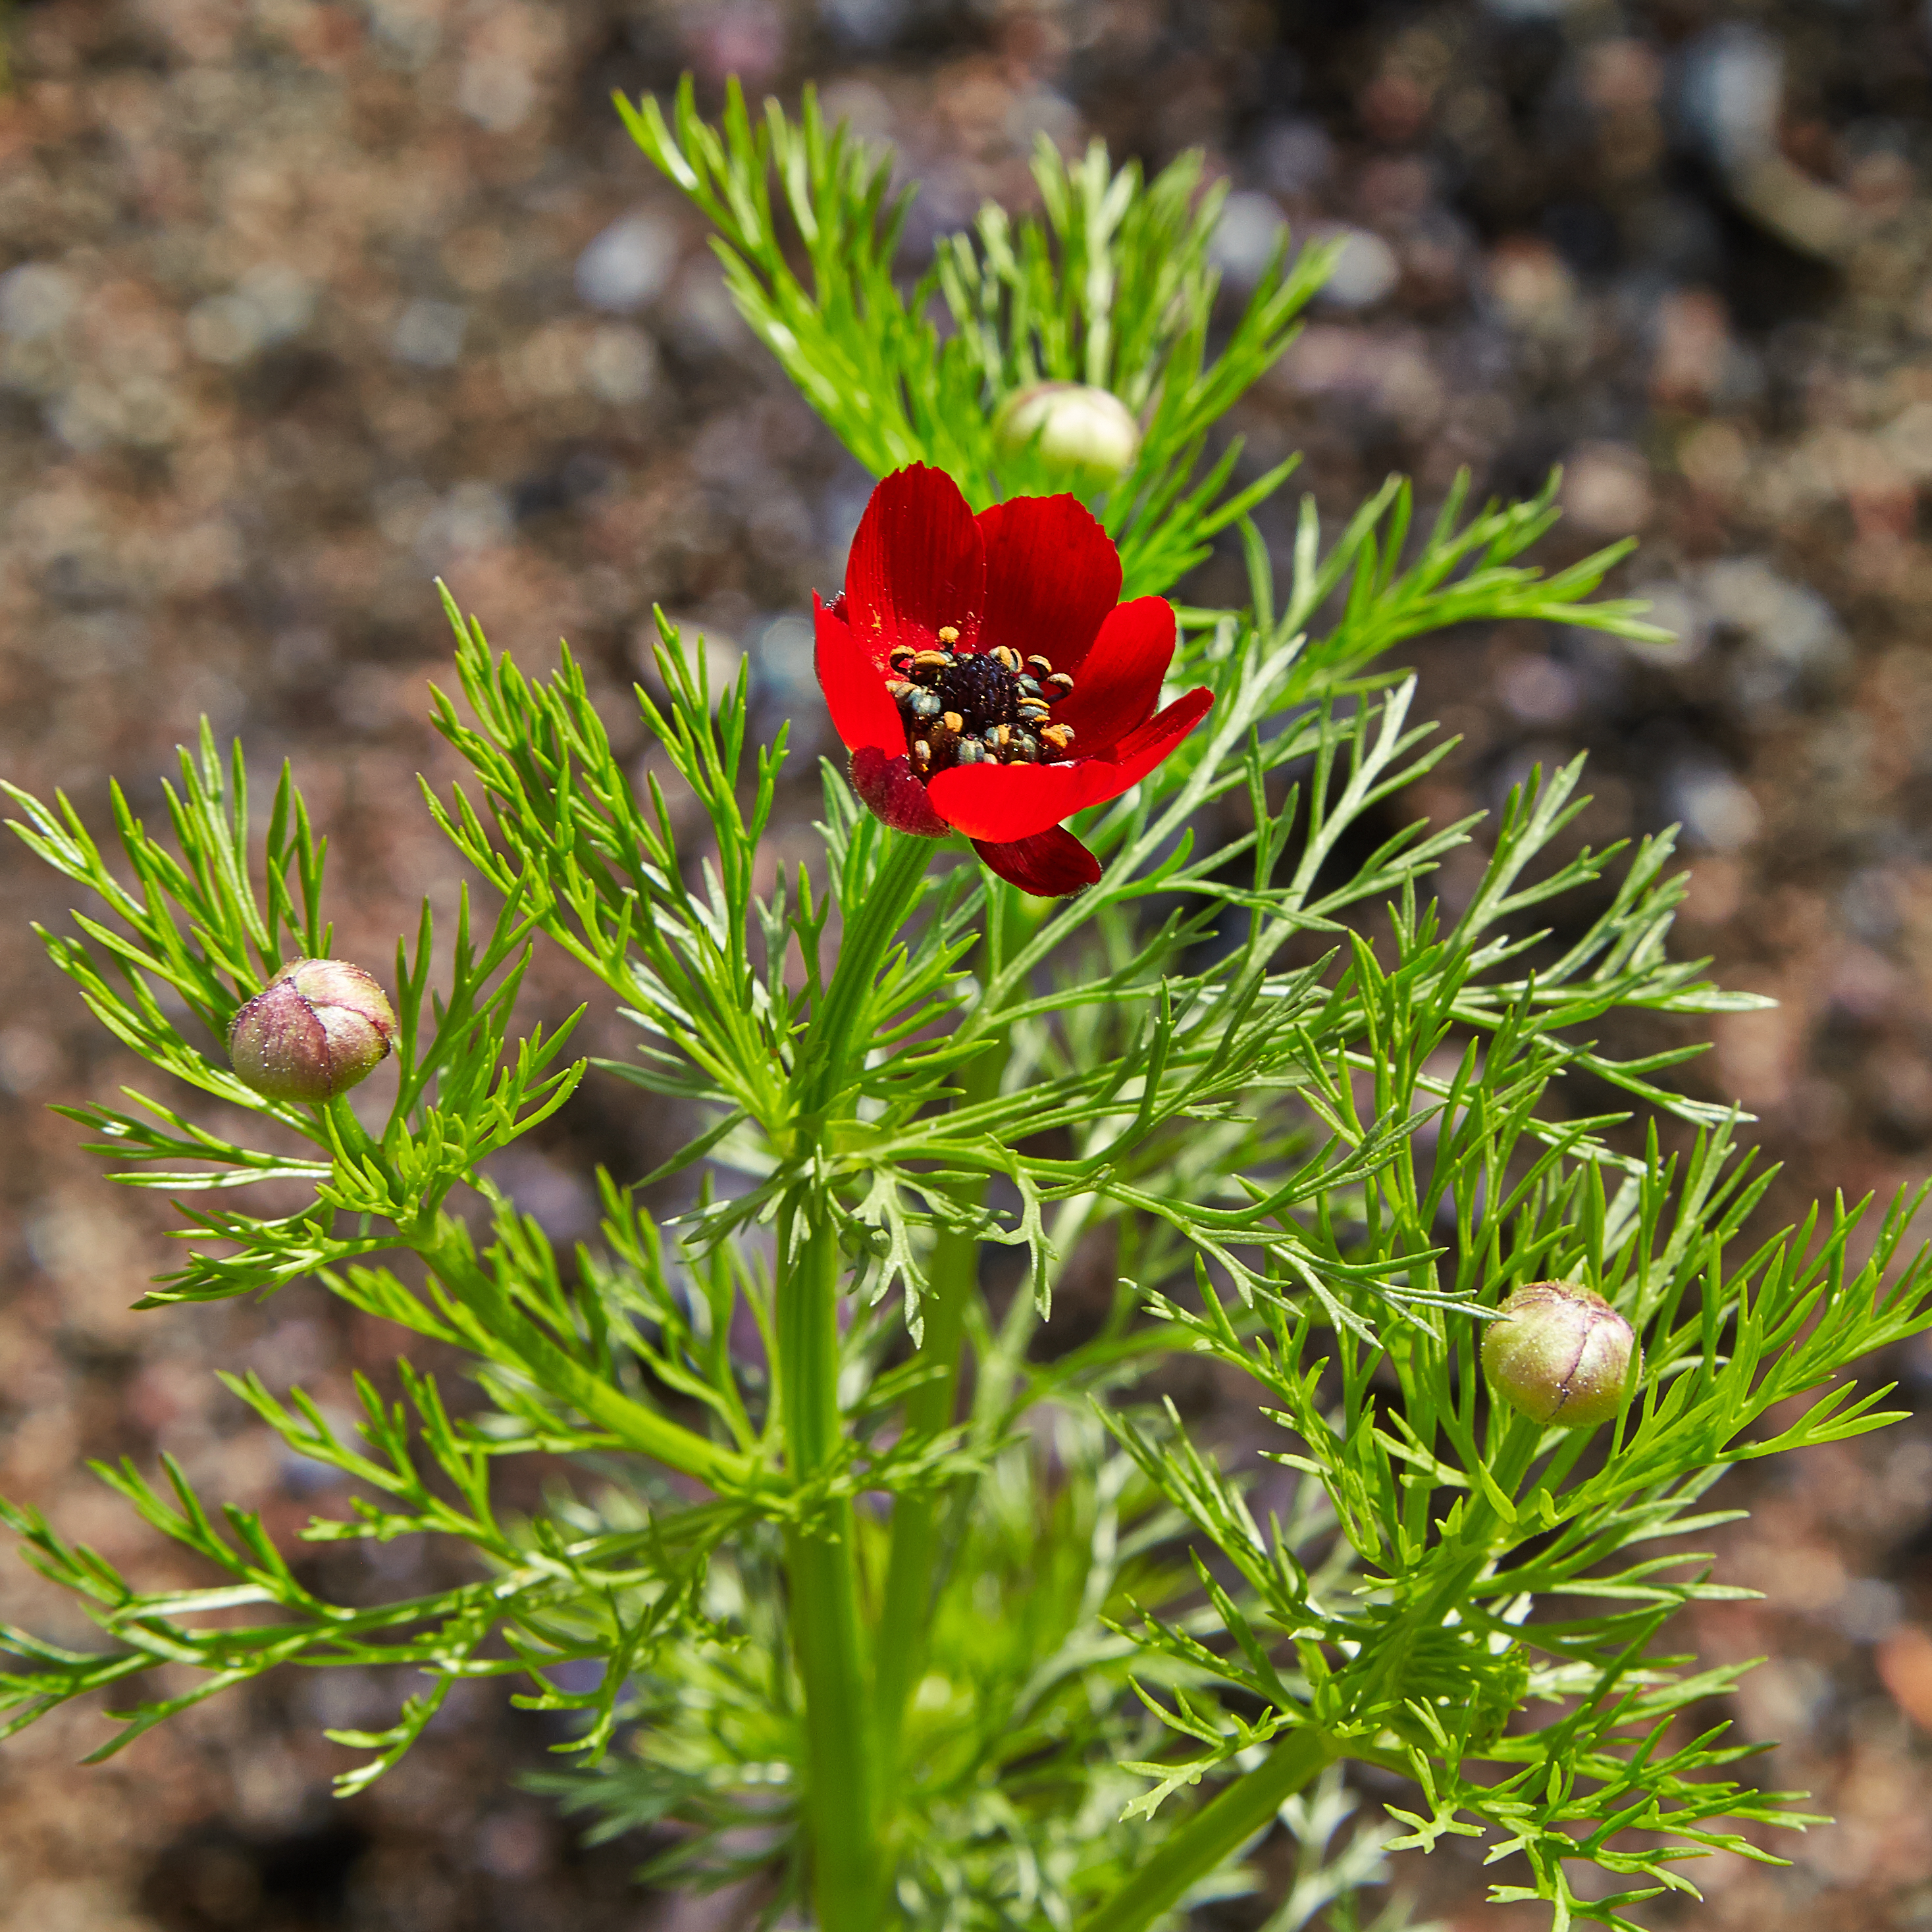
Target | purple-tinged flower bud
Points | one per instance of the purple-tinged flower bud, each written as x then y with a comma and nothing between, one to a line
1088,430
312,1032
1560,1353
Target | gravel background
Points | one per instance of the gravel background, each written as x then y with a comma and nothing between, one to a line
301,304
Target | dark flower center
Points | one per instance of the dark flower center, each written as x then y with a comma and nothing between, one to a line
979,688
978,707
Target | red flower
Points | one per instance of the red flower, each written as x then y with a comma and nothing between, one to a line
985,680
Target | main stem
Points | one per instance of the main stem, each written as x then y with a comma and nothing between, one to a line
952,1280
828,1628
842,1795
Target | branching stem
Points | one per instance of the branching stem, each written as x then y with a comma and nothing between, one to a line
524,1345
1214,1834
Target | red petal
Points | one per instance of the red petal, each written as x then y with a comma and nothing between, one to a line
1052,573
888,790
917,563
1004,802
862,711
1049,865
1012,802
1145,747
1119,682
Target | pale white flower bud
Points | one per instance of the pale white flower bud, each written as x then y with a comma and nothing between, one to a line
1089,431
314,1031
1560,1353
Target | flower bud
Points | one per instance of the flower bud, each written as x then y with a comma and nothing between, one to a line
1089,430
1560,1353
312,1032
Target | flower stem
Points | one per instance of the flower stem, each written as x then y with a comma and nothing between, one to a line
1215,1833
870,929
841,1782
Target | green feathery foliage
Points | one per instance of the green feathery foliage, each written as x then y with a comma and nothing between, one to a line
1024,1649
1113,290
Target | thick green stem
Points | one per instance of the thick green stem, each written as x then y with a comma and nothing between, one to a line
952,1280
1215,1833
828,1633
841,1794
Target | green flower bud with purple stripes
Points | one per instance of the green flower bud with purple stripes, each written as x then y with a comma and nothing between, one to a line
314,1031
1560,1353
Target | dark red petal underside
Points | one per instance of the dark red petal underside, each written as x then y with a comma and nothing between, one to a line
886,788
1119,682
1005,802
862,712
1052,573
917,563
1049,865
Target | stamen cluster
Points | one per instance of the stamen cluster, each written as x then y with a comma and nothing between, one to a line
978,707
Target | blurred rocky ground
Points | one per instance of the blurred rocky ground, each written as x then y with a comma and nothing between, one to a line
302,304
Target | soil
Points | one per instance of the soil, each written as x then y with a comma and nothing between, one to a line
303,304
